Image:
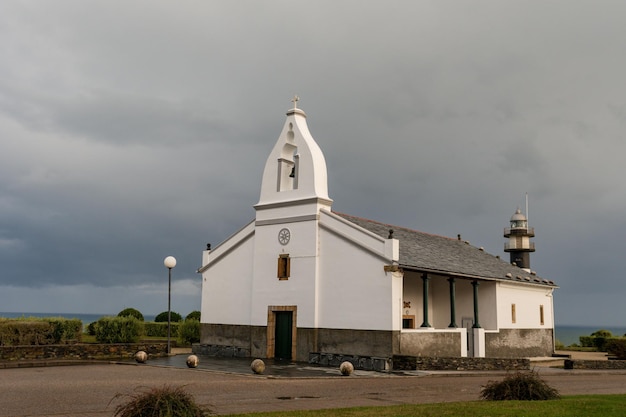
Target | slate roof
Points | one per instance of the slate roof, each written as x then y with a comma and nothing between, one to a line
425,252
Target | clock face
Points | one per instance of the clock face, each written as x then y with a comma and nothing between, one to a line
283,236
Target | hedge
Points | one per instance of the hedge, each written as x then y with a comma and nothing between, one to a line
39,331
154,329
617,347
189,332
118,329
600,342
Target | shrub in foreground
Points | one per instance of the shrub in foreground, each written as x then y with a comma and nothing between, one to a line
524,386
160,402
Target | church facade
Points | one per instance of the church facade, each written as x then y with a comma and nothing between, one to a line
301,280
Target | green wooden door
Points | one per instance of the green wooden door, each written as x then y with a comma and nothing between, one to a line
282,337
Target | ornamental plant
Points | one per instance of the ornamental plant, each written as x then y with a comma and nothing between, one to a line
524,386
194,315
160,402
133,312
162,317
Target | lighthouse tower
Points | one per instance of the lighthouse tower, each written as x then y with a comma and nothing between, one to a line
519,244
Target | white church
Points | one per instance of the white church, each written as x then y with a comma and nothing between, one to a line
300,279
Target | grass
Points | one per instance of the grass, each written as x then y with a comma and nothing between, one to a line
569,406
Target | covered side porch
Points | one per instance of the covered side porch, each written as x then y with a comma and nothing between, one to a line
446,315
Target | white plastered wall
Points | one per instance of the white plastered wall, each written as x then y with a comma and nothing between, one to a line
528,301
299,289
354,291
227,282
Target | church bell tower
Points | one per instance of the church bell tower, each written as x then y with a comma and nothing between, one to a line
519,244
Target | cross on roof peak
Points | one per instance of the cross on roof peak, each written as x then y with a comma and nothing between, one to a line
295,100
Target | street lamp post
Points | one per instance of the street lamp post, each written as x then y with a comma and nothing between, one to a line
169,262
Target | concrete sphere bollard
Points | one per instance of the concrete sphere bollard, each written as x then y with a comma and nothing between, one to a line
141,356
346,368
257,366
192,361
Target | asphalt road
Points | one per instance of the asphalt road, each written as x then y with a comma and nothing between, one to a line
90,390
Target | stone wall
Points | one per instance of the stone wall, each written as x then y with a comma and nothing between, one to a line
375,343
519,343
230,340
367,363
81,351
587,364
446,344
251,341
458,364
221,351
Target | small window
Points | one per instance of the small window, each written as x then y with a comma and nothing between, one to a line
284,266
541,320
408,322
513,316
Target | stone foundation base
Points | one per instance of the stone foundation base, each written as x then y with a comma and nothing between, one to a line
366,363
586,364
221,351
414,363
81,351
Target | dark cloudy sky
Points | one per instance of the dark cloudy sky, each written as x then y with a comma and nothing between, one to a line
130,131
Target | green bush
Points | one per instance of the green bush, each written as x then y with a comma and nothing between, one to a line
194,315
162,317
91,328
118,330
558,345
133,312
153,329
39,331
586,341
598,339
66,330
524,386
617,347
189,332
602,333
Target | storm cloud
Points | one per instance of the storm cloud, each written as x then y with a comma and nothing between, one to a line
134,131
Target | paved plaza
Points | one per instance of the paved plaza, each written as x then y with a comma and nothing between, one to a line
228,386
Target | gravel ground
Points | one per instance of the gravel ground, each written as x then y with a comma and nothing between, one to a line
91,390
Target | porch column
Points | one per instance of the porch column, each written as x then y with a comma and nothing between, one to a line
476,325
452,281
425,299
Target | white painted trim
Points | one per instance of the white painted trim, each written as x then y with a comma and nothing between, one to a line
228,246
476,277
347,238
479,342
291,203
288,220
352,225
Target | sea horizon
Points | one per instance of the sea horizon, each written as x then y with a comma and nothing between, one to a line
84,317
